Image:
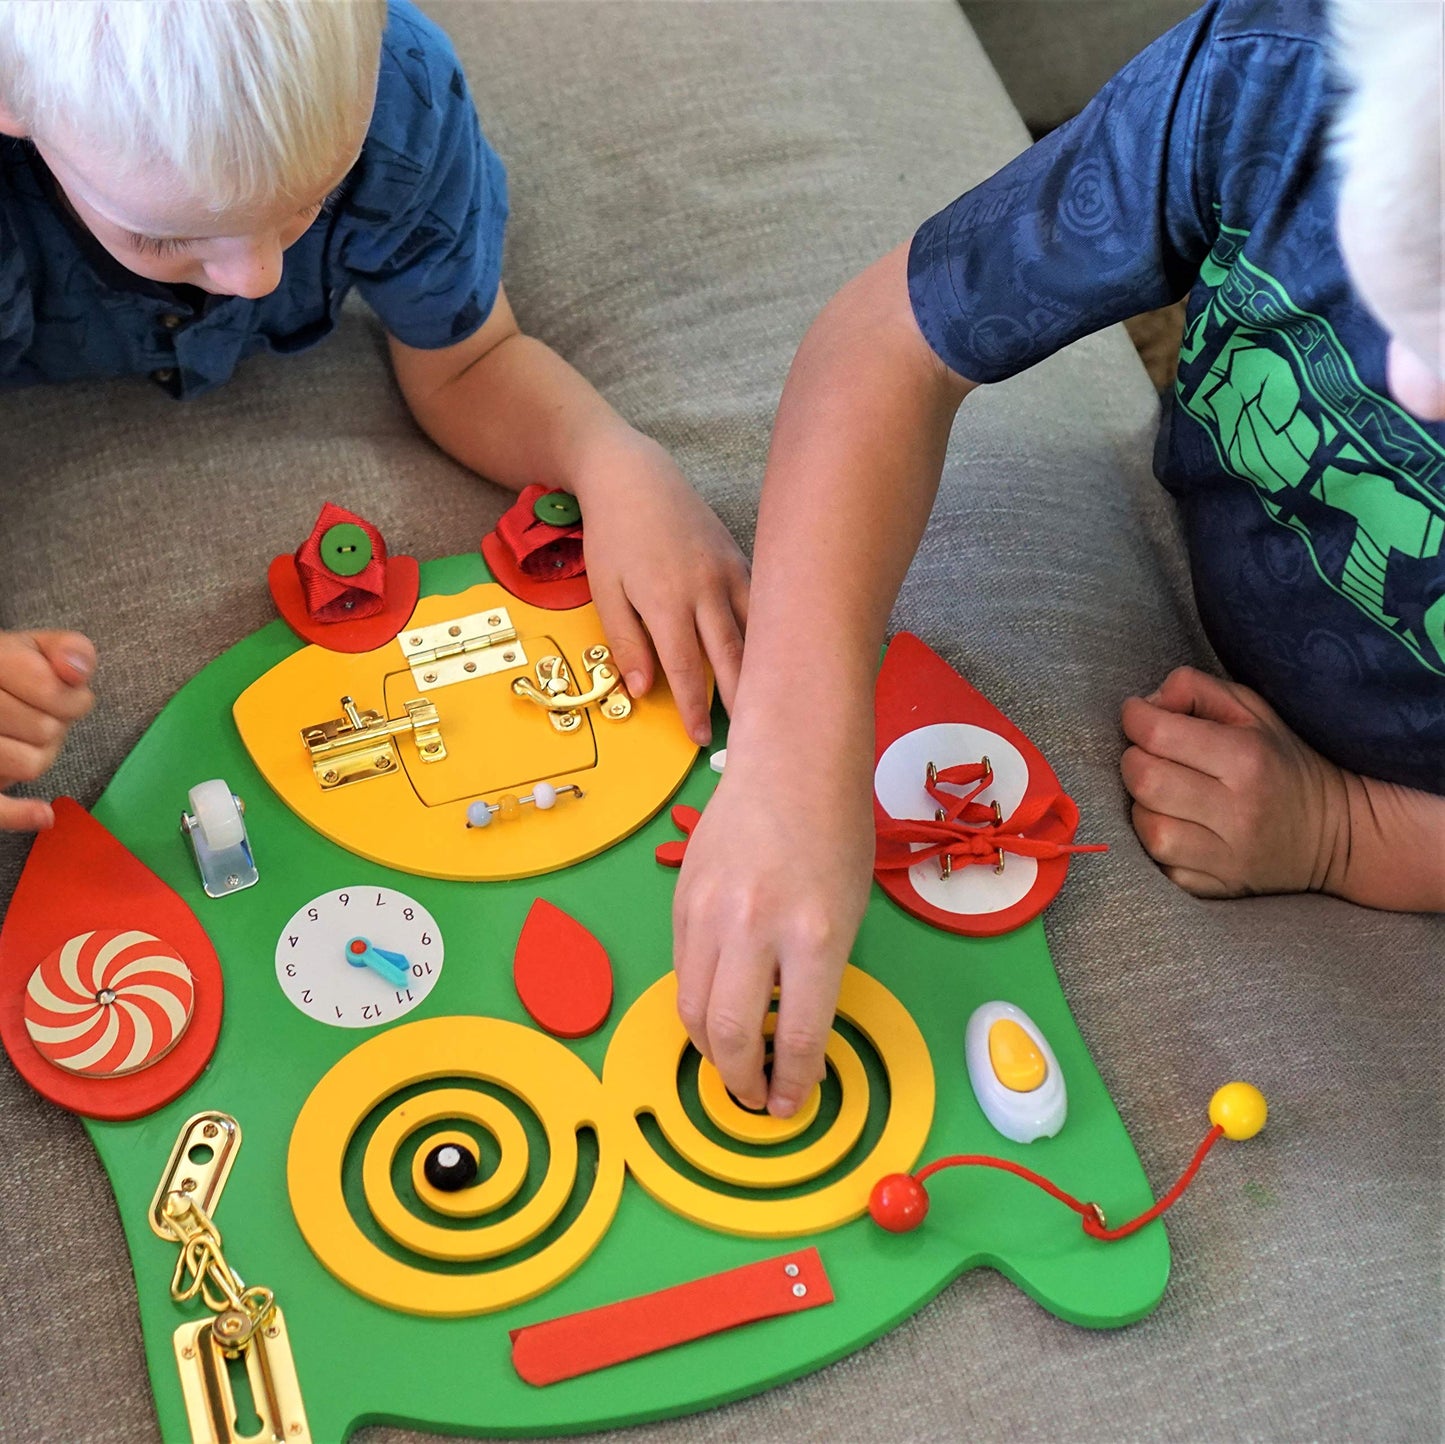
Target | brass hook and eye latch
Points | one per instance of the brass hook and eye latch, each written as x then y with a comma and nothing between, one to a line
564,707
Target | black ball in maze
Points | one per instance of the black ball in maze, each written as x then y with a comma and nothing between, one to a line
450,1167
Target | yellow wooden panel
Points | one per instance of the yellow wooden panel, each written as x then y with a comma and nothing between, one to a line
638,762
550,1079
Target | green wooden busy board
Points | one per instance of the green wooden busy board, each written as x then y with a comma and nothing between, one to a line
358,1362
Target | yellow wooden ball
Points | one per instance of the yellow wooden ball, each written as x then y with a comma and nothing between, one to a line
1239,1109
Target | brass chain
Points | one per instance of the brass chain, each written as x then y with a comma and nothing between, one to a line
202,1270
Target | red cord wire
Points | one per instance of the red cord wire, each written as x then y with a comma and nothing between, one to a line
1091,1213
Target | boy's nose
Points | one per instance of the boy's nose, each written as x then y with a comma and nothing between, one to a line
248,268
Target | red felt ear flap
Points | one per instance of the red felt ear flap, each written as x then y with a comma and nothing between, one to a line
79,878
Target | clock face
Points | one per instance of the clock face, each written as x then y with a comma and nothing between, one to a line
359,956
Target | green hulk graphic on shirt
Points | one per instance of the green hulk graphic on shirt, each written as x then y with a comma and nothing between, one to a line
1287,412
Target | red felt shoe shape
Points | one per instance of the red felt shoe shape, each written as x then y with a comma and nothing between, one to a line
79,879
926,713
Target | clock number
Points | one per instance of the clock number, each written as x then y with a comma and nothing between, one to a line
370,1010
420,970
403,998
426,940
293,941
338,1010
345,898
290,970
380,901
305,995
408,913
313,915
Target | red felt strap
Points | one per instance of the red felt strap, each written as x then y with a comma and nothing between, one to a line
577,1344
543,551
333,598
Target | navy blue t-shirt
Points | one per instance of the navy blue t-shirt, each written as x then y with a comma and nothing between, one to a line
1313,504
417,228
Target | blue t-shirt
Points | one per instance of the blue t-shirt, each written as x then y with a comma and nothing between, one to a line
417,228
1313,505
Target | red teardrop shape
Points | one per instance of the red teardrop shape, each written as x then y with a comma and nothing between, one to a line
562,973
79,878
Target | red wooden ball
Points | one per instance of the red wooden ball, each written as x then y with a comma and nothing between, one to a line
898,1203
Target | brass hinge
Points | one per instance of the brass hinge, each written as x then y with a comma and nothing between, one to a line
563,706
248,1332
358,745
466,647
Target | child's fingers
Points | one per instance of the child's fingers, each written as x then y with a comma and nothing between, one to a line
742,989
723,640
1188,690
25,814
29,676
680,653
29,724
1200,884
805,1018
1178,842
1171,787
21,762
70,654
694,960
741,593
626,636
1204,745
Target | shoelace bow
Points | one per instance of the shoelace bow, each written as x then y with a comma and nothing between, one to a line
965,831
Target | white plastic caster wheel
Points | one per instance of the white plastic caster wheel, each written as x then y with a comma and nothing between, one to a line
217,815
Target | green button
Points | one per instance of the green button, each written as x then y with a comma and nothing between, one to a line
346,549
557,508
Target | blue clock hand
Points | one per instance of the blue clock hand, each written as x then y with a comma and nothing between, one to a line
363,953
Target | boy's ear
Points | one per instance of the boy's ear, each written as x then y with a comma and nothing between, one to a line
9,122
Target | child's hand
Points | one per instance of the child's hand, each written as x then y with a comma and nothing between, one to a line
662,566
1227,800
44,687
773,887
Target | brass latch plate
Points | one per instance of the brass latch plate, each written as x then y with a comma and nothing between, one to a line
199,1164
211,1404
360,745
476,645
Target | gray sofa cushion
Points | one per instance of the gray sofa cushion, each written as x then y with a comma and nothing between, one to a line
690,184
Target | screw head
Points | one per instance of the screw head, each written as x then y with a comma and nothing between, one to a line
188,1185
209,1131
454,631
800,1291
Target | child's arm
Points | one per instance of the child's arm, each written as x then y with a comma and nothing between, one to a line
659,562
776,875
1230,803
44,679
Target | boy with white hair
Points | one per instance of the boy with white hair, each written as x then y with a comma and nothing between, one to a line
1304,448
184,183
